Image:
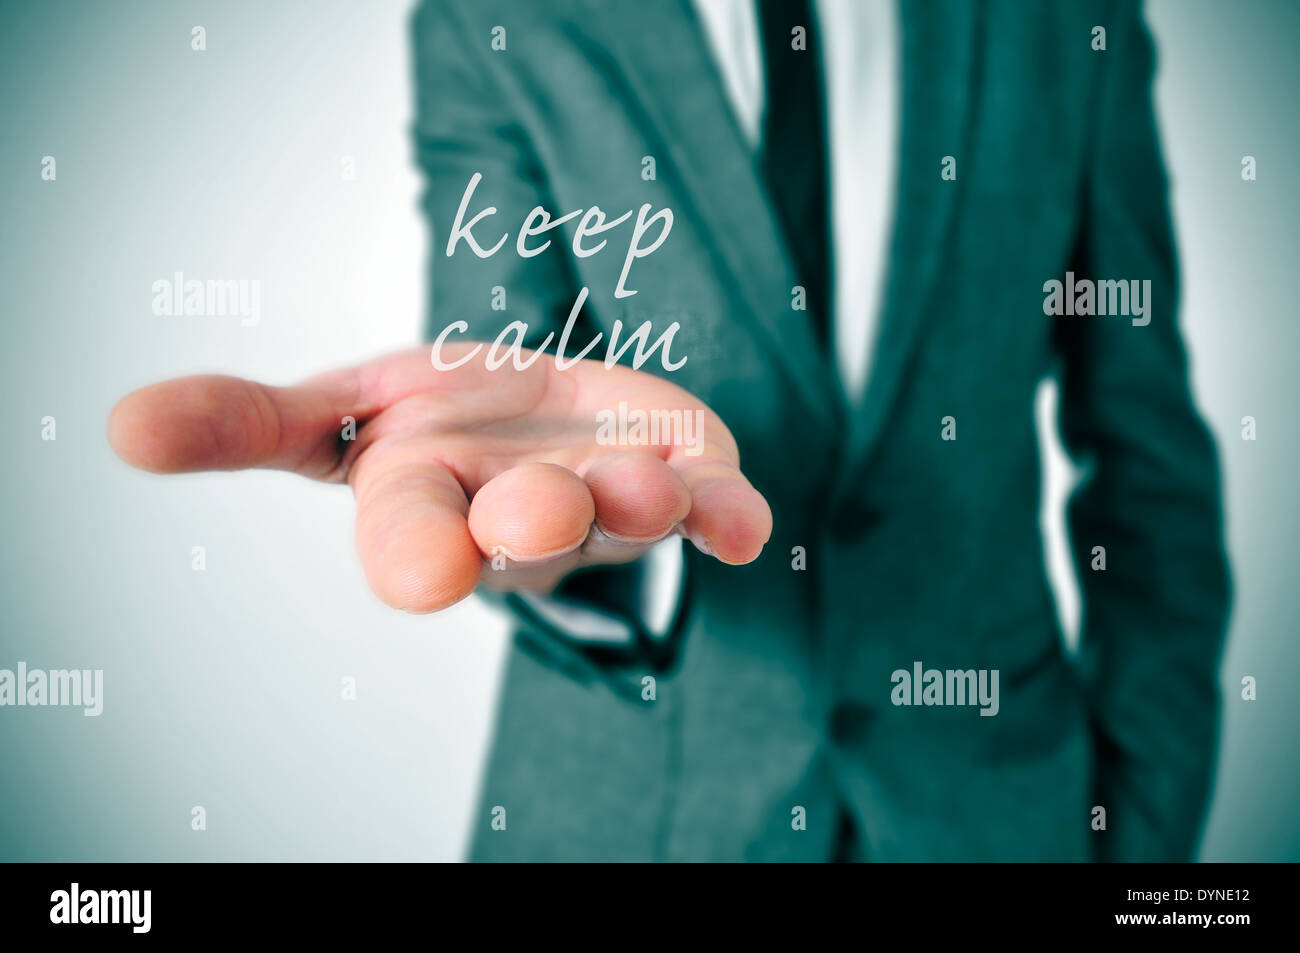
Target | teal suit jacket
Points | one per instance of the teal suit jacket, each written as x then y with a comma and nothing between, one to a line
774,692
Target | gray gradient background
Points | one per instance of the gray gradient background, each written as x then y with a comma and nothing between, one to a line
222,688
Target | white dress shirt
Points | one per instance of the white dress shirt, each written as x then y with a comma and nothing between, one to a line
860,62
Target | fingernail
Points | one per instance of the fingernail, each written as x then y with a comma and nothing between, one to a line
601,534
702,544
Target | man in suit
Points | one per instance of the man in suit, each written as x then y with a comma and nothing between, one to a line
868,204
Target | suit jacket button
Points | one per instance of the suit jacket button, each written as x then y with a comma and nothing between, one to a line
851,521
849,722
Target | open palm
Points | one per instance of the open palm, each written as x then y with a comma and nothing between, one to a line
458,470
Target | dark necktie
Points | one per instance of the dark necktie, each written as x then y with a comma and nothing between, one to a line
794,151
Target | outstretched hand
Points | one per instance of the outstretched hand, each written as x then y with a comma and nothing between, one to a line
460,471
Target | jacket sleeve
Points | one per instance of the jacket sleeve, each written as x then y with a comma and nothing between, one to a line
1154,619
592,628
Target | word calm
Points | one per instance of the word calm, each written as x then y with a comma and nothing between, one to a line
500,352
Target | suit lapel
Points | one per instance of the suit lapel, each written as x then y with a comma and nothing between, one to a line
665,60
940,66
